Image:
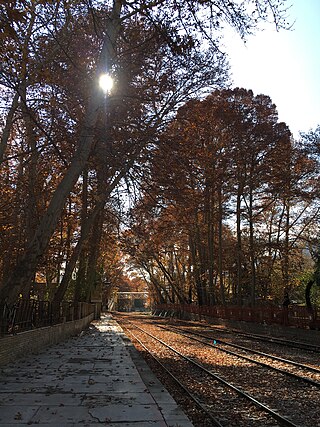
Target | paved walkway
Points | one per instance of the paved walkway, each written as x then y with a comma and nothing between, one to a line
95,378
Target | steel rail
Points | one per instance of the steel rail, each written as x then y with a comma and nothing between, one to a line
280,359
266,365
282,420
294,344
216,423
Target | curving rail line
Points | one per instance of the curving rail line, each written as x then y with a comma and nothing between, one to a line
274,340
279,359
215,422
283,421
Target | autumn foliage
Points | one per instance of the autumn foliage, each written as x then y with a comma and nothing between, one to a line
196,187
228,204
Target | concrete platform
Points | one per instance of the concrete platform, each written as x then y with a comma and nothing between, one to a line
95,378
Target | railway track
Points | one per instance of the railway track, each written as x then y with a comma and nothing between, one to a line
313,373
280,347
272,340
209,416
216,379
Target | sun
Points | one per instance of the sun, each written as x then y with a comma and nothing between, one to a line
106,82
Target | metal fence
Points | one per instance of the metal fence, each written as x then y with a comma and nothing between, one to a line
295,316
30,314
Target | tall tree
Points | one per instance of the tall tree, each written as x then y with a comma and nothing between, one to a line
180,39
217,180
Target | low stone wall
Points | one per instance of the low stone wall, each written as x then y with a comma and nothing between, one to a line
15,346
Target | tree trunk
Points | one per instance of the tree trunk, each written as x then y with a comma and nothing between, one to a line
6,131
92,274
239,248
286,247
175,290
196,270
252,251
85,232
308,296
22,84
210,238
220,240
81,275
32,170
26,268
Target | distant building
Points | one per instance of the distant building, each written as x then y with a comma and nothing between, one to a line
132,301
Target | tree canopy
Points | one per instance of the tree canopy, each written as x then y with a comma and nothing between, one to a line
67,151
228,204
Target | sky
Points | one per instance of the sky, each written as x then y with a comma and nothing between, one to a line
284,65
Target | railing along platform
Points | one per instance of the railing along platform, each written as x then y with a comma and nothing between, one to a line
30,314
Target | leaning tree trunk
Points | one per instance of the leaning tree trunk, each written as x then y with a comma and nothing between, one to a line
26,268
81,274
6,131
85,232
32,171
22,78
